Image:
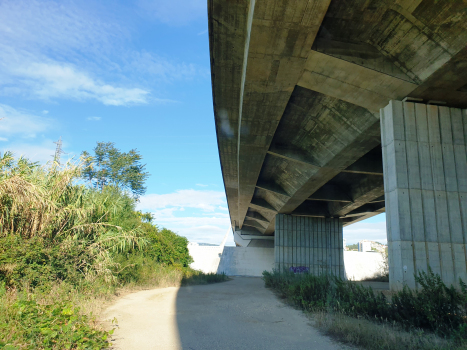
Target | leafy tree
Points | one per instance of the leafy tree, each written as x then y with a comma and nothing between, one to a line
110,166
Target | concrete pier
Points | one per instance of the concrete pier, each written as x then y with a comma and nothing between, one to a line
425,185
312,242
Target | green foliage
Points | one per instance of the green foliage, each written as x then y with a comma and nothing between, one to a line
166,246
53,326
54,231
197,277
433,307
110,166
37,261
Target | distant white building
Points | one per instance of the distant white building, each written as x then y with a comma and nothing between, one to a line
364,246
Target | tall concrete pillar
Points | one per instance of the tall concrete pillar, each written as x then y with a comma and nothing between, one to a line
312,242
425,185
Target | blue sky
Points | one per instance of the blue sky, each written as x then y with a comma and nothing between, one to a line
131,72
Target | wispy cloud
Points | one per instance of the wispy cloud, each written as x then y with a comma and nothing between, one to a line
206,229
95,119
174,12
364,230
205,200
202,223
163,68
39,152
203,32
60,50
60,28
53,80
21,123
202,185
4,139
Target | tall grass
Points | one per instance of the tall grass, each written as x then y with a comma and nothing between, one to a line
434,308
49,206
66,248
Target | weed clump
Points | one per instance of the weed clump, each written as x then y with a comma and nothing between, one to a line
434,307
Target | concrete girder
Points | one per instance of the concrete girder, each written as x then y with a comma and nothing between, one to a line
350,82
279,41
366,209
353,145
330,192
362,189
255,224
371,163
227,37
418,39
256,216
359,53
272,187
262,204
317,209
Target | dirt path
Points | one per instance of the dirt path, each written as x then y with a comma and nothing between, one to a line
238,314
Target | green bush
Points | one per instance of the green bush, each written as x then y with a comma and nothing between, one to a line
58,326
433,307
37,261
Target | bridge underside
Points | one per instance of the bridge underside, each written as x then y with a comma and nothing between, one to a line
297,90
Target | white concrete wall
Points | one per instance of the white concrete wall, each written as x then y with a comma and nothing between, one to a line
206,258
248,261
362,265
244,261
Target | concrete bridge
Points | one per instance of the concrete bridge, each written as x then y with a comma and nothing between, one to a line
331,111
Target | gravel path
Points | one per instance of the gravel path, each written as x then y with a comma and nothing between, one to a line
238,314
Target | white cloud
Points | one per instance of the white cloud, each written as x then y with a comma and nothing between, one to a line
3,139
93,118
42,152
197,229
58,49
54,80
174,12
202,185
45,112
17,122
203,32
364,230
58,27
205,200
201,224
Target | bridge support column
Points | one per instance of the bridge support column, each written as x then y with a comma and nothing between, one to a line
425,185
312,242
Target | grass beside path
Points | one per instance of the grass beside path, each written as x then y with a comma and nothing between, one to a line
433,317
61,316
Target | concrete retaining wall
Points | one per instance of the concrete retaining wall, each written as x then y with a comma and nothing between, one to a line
245,261
248,261
206,258
362,265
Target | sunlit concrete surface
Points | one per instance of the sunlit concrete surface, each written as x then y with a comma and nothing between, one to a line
241,261
238,314
146,320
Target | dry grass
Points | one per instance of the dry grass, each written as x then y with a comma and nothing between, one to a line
376,336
